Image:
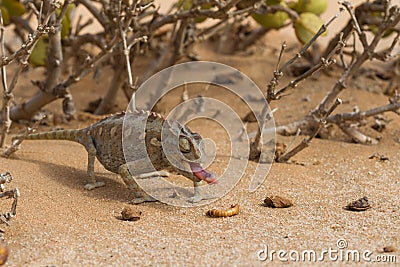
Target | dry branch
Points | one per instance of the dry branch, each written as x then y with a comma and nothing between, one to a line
7,96
273,94
50,26
15,146
138,21
306,142
347,121
393,106
22,54
311,123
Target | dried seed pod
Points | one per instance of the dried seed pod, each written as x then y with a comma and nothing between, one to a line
389,249
379,157
129,214
233,210
277,202
359,205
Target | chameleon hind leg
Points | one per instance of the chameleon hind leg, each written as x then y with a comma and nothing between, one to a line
92,183
140,196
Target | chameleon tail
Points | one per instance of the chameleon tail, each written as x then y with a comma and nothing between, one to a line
72,135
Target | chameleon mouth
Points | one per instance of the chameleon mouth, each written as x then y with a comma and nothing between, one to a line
203,174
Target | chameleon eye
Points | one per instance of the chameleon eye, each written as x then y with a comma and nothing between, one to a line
184,145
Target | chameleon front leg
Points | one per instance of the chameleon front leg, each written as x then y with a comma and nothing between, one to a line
197,197
140,196
92,183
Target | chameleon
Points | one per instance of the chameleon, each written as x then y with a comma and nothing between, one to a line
104,140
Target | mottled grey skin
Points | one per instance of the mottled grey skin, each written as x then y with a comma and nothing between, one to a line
104,140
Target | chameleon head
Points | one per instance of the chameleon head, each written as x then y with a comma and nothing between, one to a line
189,154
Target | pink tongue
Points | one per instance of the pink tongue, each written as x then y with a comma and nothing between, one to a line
202,174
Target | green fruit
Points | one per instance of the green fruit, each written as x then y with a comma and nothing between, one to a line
66,21
271,20
187,4
14,7
11,8
374,28
5,15
314,6
38,56
292,4
307,26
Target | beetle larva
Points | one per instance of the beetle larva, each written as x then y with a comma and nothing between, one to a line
233,210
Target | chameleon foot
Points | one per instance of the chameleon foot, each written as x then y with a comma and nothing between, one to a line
92,186
198,198
138,200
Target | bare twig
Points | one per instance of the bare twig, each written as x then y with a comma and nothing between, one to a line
118,79
356,25
386,54
29,44
366,55
271,89
222,12
349,122
273,94
17,142
54,63
324,63
14,193
306,142
362,13
103,20
312,123
393,106
41,99
357,136
7,96
79,27
139,20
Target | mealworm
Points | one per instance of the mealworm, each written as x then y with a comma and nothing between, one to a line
233,210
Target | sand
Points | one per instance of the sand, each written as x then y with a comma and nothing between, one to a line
58,223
